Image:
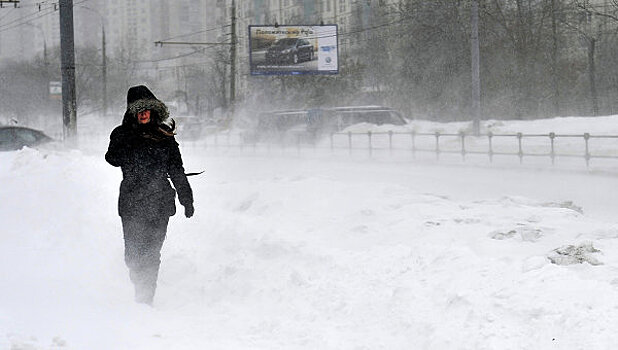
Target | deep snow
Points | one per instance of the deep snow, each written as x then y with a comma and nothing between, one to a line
312,253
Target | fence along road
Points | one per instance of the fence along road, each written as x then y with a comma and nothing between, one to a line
551,145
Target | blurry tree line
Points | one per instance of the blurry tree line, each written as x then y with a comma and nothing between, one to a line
25,96
539,58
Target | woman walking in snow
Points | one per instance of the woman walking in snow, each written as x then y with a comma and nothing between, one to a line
144,147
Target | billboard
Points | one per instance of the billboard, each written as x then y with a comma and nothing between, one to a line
293,50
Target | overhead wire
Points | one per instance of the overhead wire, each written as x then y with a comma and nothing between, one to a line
197,32
33,14
38,14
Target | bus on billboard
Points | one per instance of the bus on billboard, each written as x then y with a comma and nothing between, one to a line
293,50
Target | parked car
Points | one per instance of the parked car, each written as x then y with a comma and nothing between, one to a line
289,50
16,137
317,122
338,118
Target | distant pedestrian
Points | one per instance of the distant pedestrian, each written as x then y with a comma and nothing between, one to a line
145,149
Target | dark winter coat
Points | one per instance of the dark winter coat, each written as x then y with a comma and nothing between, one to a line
147,155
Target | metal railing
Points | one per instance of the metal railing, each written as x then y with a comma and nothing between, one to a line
548,145
490,149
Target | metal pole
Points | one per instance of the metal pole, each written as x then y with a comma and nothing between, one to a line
104,69
413,134
45,60
587,155
592,77
462,135
476,78
552,153
437,145
350,142
554,59
520,153
233,60
491,149
67,48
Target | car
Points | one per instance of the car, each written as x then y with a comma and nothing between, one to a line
289,50
318,122
16,137
338,118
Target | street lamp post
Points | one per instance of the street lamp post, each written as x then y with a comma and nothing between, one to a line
104,70
45,61
475,60
104,57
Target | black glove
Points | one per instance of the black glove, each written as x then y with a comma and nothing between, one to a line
189,210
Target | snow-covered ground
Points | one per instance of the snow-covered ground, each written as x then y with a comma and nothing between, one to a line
295,252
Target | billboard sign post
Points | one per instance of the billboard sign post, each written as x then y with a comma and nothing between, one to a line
291,50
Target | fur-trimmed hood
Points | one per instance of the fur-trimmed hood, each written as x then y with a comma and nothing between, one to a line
140,98
159,113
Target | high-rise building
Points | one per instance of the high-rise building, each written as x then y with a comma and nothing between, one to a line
23,30
34,26
132,26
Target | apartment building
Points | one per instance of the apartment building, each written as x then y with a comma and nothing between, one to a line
132,26
26,31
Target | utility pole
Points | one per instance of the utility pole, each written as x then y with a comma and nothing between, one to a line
46,64
104,71
476,76
554,58
45,60
67,48
592,76
233,60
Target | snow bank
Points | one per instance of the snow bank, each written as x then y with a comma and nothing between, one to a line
606,125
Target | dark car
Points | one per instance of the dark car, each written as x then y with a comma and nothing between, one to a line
317,122
290,50
338,118
16,137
